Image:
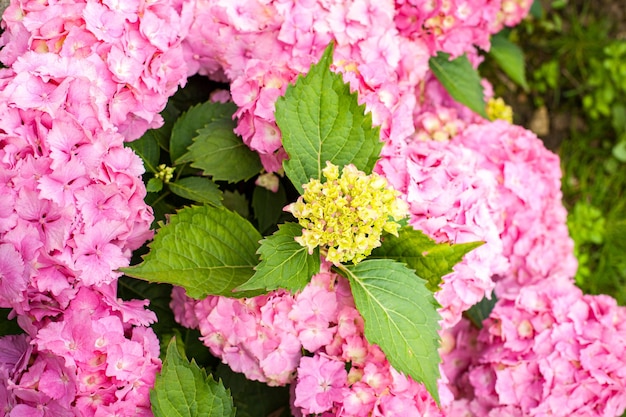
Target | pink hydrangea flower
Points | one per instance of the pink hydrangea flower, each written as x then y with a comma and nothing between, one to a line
535,236
320,382
545,352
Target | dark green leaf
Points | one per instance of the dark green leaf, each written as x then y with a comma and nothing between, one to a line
460,80
7,326
284,262
252,398
536,9
481,310
183,389
206,250
160,207
218,152
320,120
187,125
400,316
429,259
510,58
200,189
237,202
268,206
147,147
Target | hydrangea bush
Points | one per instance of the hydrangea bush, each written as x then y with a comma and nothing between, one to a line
422,265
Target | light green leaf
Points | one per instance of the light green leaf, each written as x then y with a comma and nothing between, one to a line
429,259
222,154
400,316
268,206
147,147
619,151
205,249
200,189
320,120
183,389
154,185
510,58
284,262
460,80
187,125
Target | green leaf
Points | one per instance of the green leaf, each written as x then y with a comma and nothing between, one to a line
481,310
8,327
268,206
253,398
400,316
205,249
200,189
510,58
237,202
536,9
429,259
154,185
187,125
460,80
220,153
147,147
619,151
184,389
320,120
160,206
284,262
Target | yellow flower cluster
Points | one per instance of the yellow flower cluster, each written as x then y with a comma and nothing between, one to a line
498,109
347,214
165,173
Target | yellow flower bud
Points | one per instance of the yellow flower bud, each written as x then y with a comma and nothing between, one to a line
347,214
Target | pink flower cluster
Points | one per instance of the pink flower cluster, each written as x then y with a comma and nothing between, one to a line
535,237
96,359
549,351
264,338
452,198
455,26
84,77
495,183
262,46
129,50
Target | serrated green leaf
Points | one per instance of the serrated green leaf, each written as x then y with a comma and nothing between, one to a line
284,262
510,58
429,259
205,249
187,125
320,120
481,310
268,206
200,189
400,316
147,147
220,153
154,185
184,389
460,80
